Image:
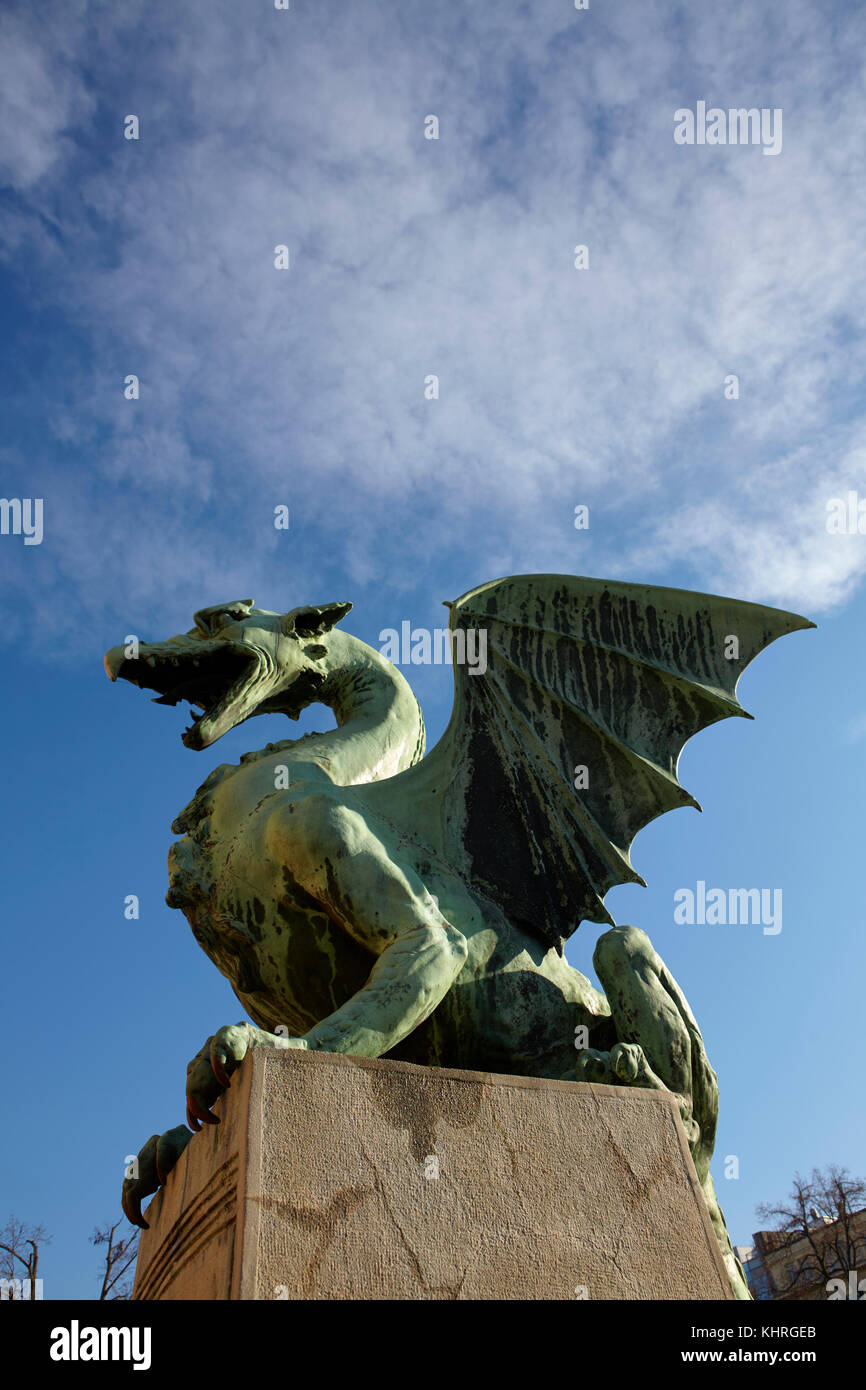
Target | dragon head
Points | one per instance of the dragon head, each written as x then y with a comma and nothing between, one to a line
237,661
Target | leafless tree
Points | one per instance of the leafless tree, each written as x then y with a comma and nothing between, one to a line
17,1261
822,1224
120,1255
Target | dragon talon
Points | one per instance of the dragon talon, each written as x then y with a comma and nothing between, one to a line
132,1211
219,1070
201,1114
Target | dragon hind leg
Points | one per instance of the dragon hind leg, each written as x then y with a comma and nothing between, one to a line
660,1047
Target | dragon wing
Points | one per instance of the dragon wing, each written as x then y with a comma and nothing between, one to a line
611,677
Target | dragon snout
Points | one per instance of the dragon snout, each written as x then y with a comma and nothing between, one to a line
113,660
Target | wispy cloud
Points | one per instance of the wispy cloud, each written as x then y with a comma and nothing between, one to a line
412,257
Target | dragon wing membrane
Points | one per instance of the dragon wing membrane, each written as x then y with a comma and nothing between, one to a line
611,677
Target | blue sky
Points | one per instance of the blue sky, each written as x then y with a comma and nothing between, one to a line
557,387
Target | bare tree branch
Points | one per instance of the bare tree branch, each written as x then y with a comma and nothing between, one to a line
15,1235
816,1225
120,1255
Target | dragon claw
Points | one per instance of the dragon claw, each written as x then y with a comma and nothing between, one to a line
217,1063
595,1067
150,1170
202,1089
227,1049
169,1147
132,1211
199,1112
209,1073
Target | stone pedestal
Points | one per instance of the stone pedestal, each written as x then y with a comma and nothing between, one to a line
335,1177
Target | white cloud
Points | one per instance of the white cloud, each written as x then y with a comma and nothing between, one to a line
412,257
41,95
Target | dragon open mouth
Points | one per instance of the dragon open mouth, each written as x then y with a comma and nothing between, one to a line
215,682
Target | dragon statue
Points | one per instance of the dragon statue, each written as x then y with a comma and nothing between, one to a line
363,898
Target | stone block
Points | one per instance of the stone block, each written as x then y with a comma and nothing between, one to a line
333,1177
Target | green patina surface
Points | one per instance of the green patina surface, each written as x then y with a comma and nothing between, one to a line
363,898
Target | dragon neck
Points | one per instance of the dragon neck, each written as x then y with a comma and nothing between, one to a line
380,729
